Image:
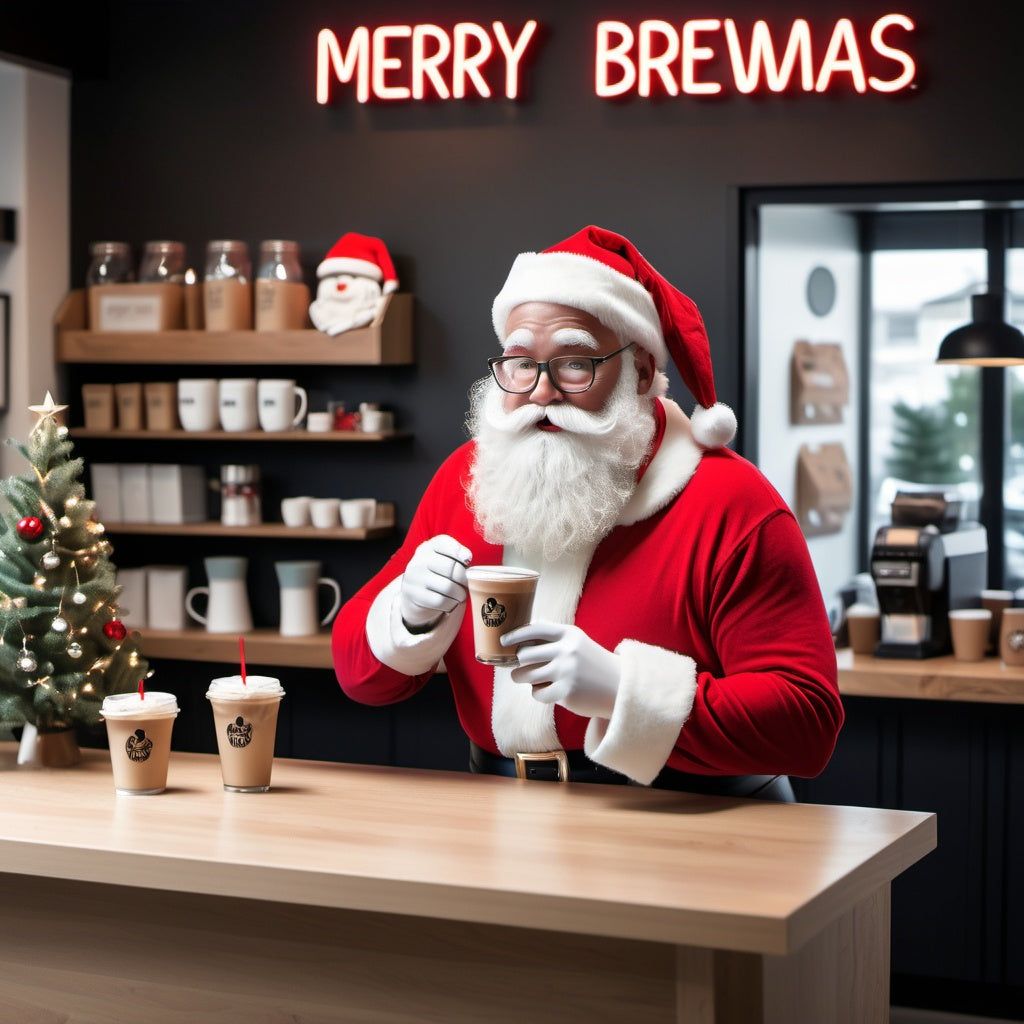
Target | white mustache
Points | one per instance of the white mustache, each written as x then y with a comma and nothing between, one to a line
564,416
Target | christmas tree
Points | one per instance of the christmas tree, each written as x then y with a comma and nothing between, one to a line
63,647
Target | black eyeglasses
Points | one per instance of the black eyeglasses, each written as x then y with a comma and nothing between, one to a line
572,375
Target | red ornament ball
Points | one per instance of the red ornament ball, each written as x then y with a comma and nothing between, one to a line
115,630
30,528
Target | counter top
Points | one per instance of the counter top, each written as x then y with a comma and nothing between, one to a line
944,678
626,862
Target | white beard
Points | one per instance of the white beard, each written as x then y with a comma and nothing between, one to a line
556,492
334,312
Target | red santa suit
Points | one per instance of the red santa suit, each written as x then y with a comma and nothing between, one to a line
705,590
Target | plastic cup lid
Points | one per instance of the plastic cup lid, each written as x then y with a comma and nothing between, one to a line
254,686
133,705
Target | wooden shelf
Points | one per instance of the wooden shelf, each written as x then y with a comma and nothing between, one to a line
262,647
386,341
241,435
383,525
986,682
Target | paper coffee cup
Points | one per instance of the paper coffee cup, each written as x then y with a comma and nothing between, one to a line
245,717
500,600
968,629
139,734
863,623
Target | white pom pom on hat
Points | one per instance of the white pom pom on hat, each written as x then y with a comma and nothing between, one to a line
603,274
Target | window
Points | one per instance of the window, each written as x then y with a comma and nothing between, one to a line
924,424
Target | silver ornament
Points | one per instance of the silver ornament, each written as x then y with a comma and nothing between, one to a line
27,663
78,597
74,649
50,560
59,624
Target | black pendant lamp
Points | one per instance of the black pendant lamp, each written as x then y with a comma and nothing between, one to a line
988,340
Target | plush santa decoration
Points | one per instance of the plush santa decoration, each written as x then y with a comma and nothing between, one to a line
355,275
603,274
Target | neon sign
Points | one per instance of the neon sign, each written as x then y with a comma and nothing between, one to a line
698,57
676,58
385,67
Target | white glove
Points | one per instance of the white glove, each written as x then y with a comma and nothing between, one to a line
434,582
564,666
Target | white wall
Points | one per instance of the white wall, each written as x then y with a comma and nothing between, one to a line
34,181
793,242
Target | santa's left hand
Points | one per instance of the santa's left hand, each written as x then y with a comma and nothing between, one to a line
564,666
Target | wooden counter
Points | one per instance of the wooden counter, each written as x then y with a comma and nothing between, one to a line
988,681
354,893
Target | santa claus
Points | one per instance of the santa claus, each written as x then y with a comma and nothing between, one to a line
679,637
354,277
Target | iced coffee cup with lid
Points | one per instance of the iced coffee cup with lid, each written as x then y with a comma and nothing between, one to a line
139,733
245,716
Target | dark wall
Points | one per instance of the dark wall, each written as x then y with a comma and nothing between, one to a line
205,126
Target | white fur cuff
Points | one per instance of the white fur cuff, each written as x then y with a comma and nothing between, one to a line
654,700
412,654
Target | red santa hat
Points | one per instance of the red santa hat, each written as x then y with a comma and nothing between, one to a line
603,274
363,256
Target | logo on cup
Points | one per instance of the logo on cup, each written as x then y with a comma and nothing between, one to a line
492,612
138,746
239,732
1015,640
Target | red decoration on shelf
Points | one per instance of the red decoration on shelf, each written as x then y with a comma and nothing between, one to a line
30,528
115,630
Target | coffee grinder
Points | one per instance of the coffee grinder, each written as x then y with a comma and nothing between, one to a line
927,562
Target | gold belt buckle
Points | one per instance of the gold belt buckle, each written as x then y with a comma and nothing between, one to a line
558,756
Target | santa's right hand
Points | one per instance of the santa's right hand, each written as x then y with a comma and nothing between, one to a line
434,582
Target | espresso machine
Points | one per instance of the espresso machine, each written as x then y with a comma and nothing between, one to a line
927,562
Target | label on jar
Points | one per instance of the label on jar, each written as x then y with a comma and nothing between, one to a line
227,305
129,313
281,305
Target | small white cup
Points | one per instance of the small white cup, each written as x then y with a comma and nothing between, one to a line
358,513
319,422
295,511
237,404
197,403
376,421
282,404
324,512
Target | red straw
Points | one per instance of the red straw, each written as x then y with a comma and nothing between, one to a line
142,689
241,653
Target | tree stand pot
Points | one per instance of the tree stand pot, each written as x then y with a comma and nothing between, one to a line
49,747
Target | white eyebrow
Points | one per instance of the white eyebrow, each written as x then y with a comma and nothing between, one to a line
521,337
574,337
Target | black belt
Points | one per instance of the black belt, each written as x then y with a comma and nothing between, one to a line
575,766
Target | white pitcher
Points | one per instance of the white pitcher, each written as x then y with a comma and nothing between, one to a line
227,610
300,583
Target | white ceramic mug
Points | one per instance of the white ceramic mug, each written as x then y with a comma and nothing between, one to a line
377,421
300,583
227,609
324,512
282,404
165,596
295,511
237,404
197,403
358,513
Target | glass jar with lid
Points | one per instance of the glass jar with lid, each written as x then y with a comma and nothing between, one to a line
240,495
110,263
163,263
282,298
227,286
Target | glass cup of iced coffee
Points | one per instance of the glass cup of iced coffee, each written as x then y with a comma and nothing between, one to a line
500,600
